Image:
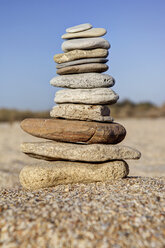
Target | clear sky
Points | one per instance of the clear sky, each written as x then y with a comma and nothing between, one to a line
30,34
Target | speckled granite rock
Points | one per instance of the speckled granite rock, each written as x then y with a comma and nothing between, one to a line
84,68
75,131
83,81
64,172
86,96
79,28
85,43
80,54
93,32
82,112
52,150
81,61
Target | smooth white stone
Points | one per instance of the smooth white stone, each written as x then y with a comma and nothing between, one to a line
79,28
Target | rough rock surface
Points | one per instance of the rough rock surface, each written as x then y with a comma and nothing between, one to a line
82,112
86,96
79,28
75,131
80,54
84,68
83,81
44,175
81,61
93,32
85,43
56,151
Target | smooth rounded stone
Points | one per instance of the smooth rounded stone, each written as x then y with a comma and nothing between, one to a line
86,96
83,81
84,68
51,174
79,28
93,32
74,131
53,151
80,54
81,61
82,112
85,43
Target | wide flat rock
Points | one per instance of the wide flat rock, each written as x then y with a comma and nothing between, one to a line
84,68
86,96
85,43
52,174
79,28
80,54
83,81
74,131
93,32
82,61
82,112
52,150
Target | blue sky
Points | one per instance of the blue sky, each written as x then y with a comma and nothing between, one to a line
30,34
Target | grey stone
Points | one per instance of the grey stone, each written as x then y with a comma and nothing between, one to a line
85,43
82,112
93,32
86,96
80,54
50,174
82,61
79,28
52,150
83,81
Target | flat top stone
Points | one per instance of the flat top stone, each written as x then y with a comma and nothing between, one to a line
74,131
86,96
85,43
94,32
83,81
78,28
65,172
81,61
77,152
83,68
80,54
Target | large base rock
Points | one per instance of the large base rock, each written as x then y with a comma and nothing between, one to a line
55,173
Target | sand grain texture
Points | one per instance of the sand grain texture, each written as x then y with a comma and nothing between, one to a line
121,213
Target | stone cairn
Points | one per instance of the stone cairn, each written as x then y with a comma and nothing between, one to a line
83,139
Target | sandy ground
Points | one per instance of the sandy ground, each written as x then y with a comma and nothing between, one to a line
147,135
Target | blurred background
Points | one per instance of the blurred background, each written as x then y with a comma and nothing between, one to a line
30,35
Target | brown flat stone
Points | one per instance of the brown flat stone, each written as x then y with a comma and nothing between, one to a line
90,67
75,131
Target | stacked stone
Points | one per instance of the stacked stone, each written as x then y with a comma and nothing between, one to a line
83,139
